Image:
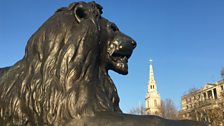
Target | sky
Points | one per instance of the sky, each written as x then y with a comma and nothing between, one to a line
185,39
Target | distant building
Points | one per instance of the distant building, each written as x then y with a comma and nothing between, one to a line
197,104
153,101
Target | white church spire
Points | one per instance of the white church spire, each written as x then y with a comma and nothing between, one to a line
152,82
153,101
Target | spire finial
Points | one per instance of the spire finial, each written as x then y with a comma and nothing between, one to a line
150,61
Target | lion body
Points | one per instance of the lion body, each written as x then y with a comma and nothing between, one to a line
59,77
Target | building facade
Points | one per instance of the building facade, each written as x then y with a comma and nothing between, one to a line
204,104
153,101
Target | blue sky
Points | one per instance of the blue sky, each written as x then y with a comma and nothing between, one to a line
185,38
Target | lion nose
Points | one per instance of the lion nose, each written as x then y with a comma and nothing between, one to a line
134,44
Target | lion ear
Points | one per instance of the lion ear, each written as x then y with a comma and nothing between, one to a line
80,12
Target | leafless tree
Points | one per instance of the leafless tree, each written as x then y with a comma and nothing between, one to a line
191,91
139,110
168,109
222,73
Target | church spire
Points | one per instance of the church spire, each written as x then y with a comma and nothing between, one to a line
152,82
153,101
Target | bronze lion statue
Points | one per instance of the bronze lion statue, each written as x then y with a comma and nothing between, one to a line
63,78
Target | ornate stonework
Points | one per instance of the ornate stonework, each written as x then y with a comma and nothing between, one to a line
197,105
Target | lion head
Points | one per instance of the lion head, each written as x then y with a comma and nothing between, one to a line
64,73
119,47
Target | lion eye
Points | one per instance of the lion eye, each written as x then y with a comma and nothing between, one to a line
114,27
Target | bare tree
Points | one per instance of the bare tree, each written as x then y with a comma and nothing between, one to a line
168,109
222,73
140,110
191,91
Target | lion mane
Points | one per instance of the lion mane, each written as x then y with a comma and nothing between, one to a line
61,76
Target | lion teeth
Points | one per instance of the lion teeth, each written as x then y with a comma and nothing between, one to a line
125,59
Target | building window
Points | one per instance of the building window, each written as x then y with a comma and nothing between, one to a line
183,116
215,93
152,86
222,87
155,102
210,94
197,97
205,95
189,100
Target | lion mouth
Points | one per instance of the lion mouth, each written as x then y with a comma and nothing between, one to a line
119,52
120,61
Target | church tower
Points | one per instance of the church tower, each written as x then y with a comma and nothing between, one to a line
153,101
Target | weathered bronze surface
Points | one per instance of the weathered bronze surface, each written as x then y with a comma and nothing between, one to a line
63,78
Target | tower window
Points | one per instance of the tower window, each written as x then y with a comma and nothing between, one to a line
152,86
155,102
